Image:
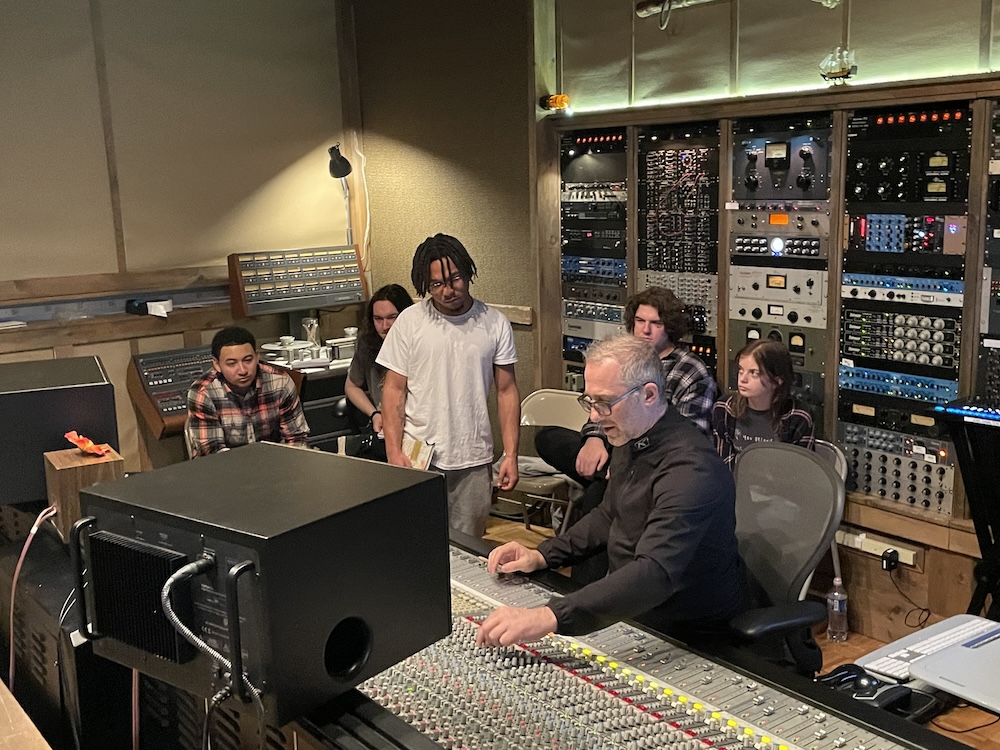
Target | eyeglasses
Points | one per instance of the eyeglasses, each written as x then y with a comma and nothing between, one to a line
603,408
454,280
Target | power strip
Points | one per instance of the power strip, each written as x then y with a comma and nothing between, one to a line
872,546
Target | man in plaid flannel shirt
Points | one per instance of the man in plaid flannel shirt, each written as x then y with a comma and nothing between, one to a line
241,400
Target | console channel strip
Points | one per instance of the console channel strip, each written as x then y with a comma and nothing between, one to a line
781,191
678,199
903,287
698,291
914,471
988,380
158,383
593,236
619,688
778,295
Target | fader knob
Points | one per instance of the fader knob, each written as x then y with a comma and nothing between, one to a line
804,181
752,182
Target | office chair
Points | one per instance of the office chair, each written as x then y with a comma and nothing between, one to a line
835,456
789,502
549,407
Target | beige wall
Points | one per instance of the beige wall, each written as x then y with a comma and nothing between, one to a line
446,106
142,136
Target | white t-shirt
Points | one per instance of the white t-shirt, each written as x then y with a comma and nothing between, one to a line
448,364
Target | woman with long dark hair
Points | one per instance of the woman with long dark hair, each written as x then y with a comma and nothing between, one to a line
365,377
763,409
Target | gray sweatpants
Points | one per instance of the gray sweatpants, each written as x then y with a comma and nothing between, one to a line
469,498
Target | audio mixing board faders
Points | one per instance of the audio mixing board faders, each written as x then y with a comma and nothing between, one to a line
620,688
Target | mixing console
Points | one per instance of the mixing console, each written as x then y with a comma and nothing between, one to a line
158,384
617,688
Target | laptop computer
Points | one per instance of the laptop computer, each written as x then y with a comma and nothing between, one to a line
969,669
959,655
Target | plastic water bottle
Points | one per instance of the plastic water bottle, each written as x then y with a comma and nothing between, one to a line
836,611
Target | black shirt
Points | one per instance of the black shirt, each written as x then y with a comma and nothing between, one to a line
668,521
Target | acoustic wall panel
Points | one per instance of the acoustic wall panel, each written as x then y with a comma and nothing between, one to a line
691,57
55,203
596,52
902,39
222,116
781,44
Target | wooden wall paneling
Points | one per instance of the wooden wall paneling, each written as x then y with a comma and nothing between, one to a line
549,284
878,609
632,209
545,180
725,225
111,328
93,285
835,265
950,581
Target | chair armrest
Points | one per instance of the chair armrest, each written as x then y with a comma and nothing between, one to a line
755,624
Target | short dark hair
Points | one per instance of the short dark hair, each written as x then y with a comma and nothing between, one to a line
774,361
436,248
232,336
676,320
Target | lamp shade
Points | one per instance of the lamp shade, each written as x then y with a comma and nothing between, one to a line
339,166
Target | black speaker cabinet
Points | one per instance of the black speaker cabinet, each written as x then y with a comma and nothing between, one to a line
42,401
340,569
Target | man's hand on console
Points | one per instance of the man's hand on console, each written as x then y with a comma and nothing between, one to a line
509,625
514,557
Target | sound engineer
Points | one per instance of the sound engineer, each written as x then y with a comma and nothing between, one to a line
242,400
656,316
667,521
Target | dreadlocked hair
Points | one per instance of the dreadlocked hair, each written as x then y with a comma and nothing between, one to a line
436,248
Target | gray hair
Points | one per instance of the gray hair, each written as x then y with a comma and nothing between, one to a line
636,359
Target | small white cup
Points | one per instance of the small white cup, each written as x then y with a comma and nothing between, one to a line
351,332
286,340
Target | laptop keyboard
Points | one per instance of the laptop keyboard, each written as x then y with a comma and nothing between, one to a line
897,664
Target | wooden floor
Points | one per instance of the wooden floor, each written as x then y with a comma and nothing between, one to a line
968,725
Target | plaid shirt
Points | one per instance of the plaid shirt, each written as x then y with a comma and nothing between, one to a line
689,386
220,418
794,426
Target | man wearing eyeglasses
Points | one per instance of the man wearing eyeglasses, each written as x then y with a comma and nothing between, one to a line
442,356
656,316
667,521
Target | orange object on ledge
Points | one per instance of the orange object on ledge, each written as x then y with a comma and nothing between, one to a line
87,445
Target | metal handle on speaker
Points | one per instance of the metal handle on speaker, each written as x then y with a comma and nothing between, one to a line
233,614
76,557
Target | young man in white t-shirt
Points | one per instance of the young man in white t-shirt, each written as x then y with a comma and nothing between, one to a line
442,357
